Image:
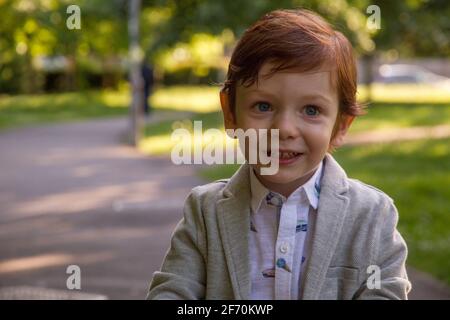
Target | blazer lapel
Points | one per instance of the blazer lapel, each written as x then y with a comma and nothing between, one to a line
234,220
329,221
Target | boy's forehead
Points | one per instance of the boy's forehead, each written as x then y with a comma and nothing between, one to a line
308,79
267,68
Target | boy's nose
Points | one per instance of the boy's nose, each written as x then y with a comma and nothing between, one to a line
288,126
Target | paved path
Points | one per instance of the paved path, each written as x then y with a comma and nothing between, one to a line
75,194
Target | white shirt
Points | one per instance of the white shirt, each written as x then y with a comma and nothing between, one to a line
278,231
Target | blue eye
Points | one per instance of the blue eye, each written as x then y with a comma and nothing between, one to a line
311,110
263,106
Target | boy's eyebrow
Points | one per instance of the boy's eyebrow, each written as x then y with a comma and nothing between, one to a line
306,96
261,91
317,96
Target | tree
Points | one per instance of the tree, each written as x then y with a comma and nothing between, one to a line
135,56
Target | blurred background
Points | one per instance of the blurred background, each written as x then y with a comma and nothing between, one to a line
89,97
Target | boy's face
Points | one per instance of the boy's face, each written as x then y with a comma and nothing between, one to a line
304,107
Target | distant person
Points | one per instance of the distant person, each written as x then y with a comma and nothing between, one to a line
147,75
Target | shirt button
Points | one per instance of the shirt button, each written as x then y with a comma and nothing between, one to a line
284,248
273,199
281,263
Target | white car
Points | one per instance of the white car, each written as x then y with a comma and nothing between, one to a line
405,73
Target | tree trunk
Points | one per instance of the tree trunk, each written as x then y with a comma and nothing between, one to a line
135,57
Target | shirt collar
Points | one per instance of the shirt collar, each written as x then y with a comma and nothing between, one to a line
310,188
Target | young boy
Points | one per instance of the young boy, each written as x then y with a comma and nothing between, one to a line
308,231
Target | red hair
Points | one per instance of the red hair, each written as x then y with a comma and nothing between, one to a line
297,39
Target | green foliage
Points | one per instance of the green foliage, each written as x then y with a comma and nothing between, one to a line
190,17
37,28
414,28
204,30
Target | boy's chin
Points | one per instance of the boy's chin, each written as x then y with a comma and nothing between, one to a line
282,176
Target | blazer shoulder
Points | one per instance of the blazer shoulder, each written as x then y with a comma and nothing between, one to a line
209,189
207,194
369,202
366,192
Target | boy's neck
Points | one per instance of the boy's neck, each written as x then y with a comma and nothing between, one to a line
285,189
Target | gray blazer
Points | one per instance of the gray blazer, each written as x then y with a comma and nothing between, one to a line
355,228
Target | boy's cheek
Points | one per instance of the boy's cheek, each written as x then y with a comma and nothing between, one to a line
320,133
245,123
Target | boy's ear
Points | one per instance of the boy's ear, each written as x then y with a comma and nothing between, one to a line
344,125
228,116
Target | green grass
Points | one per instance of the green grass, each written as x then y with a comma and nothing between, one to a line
24,110
200,99
401,115
406,93
416,174
157,139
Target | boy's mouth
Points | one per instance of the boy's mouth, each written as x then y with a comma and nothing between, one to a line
289,155
286,156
